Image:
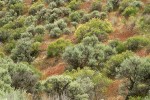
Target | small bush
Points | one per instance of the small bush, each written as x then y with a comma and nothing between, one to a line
136,43
75,16
147,9
61,24
96,5
94,27
56,48
30,20
114,63
55,32
74,4
35,48
4,35
40,29
130,11
9,46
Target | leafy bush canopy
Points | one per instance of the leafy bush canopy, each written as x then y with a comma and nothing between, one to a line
94,27
56,48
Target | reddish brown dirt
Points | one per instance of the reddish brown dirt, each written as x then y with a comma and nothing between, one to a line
56,70
28,2
121,36
142,53
113,91
86,5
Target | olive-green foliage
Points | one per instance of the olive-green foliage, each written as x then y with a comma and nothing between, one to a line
137,71
5,81
72,84
99,80
35,8
74,4
94,27
35,48
30,20
114,63
21,75
22,51
56,48
4,35
76,16
9,46
57,28
144,24
40,29
18,8
15,95
113,5
1,4
118,45
137,42
90,52
129,3
96,5
147,9
130,11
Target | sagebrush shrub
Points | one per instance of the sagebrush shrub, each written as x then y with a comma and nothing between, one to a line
56,48
94,27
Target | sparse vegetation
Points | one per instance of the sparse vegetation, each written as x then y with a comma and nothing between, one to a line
74,49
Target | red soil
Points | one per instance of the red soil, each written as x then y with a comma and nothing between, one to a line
56,70
113,91
28,2
86,5
142,53
121,36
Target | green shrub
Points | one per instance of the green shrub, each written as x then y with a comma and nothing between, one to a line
118,45
52,5
147,9
94,27
35,48
16,34
90,52
66,11
40,29
4,35
75,16
136,43
136,70
85,18
95,14
61,24
55,32
74,4
130,11
18,8
38,38
30,20
113,5
144,24
26,35
96,5
67,31
1,4
114,63
31,29
35,8
56,48
9,46
22,51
